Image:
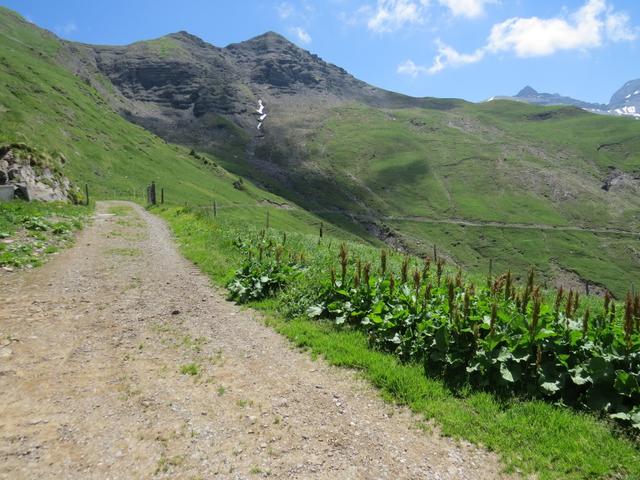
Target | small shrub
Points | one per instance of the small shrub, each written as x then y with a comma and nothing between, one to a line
192,369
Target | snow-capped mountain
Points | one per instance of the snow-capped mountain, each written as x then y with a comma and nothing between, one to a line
530,95
626,101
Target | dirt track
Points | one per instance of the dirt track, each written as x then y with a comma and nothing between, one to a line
91,348
513,226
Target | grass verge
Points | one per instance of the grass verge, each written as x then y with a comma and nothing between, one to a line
32,231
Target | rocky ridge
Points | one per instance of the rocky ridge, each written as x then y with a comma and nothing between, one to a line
189,91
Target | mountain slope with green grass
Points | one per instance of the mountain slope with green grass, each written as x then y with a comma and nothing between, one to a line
555,188
501,166
53,111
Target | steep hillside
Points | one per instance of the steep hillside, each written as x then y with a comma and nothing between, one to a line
456,177
49,109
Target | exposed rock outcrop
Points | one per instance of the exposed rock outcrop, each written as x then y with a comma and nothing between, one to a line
617,180
34,176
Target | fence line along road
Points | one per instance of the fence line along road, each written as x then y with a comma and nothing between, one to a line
139,194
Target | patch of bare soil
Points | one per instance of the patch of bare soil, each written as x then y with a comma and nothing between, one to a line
272,203
119,360
570,280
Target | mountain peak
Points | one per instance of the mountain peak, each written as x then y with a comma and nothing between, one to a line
267,39
527,92
270,35
187,37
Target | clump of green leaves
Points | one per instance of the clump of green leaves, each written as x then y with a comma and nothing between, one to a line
498,337
191,369
266,269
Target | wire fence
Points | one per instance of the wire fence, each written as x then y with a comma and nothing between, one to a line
142,195
214,208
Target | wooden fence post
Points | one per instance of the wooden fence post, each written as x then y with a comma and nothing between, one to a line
435,253
215,209
152,193
86,193
162,196
321,229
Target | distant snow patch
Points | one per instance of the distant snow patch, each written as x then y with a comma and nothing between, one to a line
630,111
261,113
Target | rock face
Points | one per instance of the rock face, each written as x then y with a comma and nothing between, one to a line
182,72
31,179
191,92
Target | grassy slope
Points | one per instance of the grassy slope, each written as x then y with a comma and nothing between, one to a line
608,259
500,161
496,161
530,437
46,107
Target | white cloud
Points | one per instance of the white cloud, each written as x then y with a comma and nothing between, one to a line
466,8
67,28
618,27
588,27
408,67
390,15
591,26
447,57
302,35
285,10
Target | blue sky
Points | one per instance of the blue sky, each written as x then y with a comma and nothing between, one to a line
471,49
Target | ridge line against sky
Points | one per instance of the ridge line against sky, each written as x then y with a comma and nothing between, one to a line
472,49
